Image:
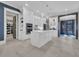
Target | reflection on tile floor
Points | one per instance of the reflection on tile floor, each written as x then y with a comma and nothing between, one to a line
55,48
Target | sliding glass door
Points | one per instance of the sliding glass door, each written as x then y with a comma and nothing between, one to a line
67,27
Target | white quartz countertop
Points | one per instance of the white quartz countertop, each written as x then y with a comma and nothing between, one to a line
42,30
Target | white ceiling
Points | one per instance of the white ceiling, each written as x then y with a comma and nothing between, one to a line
50,8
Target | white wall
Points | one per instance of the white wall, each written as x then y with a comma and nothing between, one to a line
20,28
68,17
78,25
27,18
55,25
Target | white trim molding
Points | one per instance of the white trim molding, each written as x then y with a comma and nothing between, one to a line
5,35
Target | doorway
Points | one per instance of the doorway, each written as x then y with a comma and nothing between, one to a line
68,25
11,21
11,25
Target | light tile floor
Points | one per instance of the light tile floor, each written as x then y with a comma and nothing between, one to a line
55,48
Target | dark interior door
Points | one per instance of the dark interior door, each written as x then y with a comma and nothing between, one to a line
14,27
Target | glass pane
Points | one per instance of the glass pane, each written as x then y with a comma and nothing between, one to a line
70,27
63,27
67,27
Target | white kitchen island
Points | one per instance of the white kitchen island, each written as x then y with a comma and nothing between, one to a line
40,38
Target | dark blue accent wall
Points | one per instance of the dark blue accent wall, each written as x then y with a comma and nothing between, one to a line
2,5
1,23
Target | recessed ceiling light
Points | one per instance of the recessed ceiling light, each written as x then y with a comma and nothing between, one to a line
26,4
47,5
42,14
37,11
32,12
66,9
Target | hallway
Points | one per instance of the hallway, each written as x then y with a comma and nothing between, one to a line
56,47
